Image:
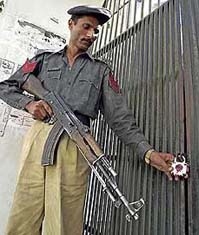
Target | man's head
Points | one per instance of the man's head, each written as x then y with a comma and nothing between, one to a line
84,23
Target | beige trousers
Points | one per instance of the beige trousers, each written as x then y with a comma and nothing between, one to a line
49,200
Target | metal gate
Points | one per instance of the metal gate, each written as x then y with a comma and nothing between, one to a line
156,62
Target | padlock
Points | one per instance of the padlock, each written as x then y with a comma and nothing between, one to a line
180,167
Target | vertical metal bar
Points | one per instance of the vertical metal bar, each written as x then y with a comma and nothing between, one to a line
181,117
150,6
132,178
125,39
123,16
172,135
148,172
117,212
151,196
165,197
194,9
139,98
88,204
112,22
143,109
96,192
109,206
118,64
191,61
158,125
135,12
140,74
128,14
142,9
100,198
121,223
134,69
109,26
126,55
117,20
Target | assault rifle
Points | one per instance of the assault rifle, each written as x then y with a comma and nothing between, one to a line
91,151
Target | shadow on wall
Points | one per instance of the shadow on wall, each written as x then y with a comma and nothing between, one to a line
2,5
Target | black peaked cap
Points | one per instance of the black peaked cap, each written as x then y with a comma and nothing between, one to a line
102,14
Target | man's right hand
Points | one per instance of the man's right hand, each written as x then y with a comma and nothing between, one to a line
39,109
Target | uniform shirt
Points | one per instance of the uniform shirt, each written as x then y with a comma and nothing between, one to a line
87,87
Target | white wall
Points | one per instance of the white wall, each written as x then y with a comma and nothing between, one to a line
39,12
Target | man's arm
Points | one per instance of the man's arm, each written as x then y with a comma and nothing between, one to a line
10,89
120,119
12,94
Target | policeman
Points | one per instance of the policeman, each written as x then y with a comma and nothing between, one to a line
87,85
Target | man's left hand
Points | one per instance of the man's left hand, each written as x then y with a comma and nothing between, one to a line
162,162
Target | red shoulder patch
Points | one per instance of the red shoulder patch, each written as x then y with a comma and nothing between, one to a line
113,83
29,67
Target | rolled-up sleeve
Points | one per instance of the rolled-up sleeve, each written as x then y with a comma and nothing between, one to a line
10,89
119,117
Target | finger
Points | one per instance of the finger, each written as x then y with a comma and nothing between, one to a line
43,112
45,106
176,178
169,163
167,156
169,175
166,167
48,109
162,166
40,113
170,168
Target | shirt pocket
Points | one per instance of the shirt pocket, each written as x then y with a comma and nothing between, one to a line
52,78
54,73
89,90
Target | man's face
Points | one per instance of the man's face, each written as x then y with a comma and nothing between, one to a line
83,32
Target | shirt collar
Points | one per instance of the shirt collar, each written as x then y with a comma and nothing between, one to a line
86,54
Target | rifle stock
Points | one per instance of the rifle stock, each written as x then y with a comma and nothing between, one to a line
34,86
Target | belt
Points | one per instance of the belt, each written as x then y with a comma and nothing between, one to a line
48,156
83,118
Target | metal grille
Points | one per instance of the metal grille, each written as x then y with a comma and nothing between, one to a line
126,13
156,62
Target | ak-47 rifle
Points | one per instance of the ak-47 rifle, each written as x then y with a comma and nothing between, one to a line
91,151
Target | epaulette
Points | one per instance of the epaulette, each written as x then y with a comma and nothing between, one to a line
45,51
105,62
100,60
